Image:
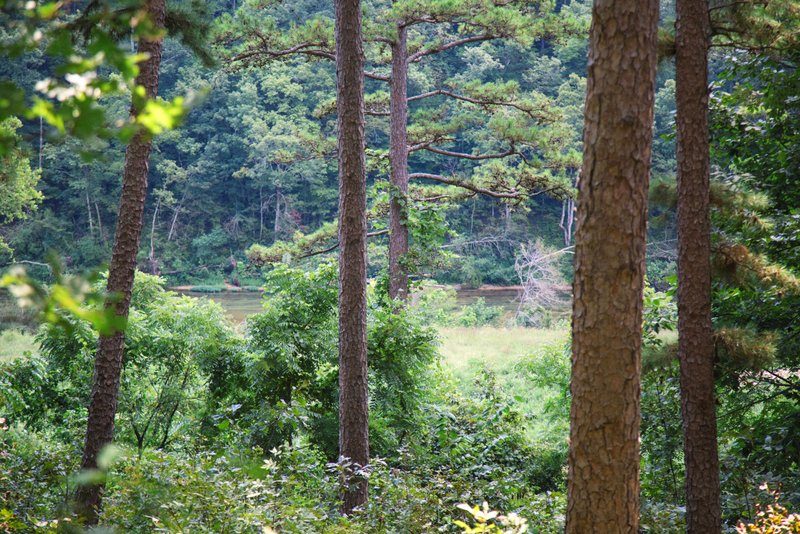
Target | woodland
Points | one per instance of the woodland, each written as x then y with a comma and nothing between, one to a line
400,266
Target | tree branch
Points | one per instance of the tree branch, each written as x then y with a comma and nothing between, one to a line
473,157
737,3
376,76
336,245
306,48
416,56
464,185
481,102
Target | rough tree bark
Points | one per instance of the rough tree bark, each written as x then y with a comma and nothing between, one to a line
603,479
398,160
108,362
695,334
353,410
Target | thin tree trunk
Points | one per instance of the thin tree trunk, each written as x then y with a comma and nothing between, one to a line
89,211
108,363
174,408
100,223
260,213
695,334
603,479
277,223
41,141
152,256
398,160
353,409
175,217
570,220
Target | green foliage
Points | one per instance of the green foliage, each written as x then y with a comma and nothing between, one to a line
293,369
172,344
66,299
479,314
660,316
771,517
18,193
81,76
237,491
435,304
35,478
490,521
402,353
438,305
481,437
294,343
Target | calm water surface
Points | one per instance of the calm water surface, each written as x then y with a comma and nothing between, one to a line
241,304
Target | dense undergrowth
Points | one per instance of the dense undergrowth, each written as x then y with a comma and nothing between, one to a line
226,431
234,429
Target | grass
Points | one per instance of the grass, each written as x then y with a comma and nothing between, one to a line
527,364
466,351
14,344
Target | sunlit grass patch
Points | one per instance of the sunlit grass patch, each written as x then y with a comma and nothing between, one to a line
528,364
14,344
466,350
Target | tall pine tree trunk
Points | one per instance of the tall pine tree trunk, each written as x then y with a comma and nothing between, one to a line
353,412
603,480
398,158
108,362
695,334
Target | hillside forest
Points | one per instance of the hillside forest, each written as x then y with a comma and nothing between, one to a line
400,266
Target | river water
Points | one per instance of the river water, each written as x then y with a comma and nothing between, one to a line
241,304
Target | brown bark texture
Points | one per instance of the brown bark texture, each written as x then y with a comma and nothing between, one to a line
695,333
108,361
398,160
603,477
353,409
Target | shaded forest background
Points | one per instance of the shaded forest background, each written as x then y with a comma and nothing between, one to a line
254,162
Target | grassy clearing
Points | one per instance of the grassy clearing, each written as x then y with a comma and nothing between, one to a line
468,351
527,364
14,344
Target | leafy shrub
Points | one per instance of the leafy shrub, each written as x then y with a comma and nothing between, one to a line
224,433
172,343
479,444
237,490
435,304
402,352
479,314
34,477
293,367
548,368
489,521
438,305
293,342
771,517
661,518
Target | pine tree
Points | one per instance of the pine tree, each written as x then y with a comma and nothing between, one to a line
353,407
414,31
108,362
603,479
696,335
